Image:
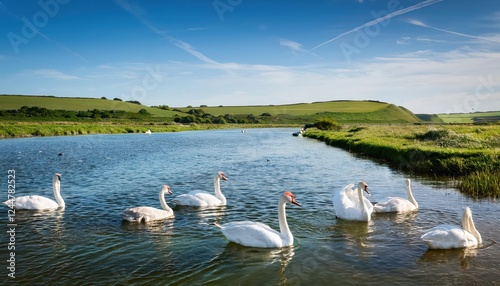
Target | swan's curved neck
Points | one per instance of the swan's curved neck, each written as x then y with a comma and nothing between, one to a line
364,208
468,225
163,203
410,196
218,192
56,186
286,234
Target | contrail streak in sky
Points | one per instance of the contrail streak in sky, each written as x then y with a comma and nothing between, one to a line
178,43
381,19
419,23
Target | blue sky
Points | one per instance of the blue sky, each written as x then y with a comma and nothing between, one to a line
430,56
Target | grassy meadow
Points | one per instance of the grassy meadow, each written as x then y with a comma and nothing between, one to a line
299,108
77,104
29,129
466,152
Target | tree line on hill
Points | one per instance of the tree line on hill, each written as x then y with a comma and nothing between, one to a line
35,112
192,116
199,116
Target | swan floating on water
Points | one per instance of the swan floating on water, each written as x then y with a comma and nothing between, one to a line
451,236
36,202
351,206
148,132
397,204
256,234
147,214
204,199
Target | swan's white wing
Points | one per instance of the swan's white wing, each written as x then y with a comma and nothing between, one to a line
394,204
138,214
448,236
353,195
209,199
197,199
252,234
34,203
342,201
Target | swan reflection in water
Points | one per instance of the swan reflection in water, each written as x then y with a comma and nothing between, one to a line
465,256
353,233
263,266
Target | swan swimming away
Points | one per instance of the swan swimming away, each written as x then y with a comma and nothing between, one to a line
397,204
38,202
256,234
147,214
348,206
451,236
204,199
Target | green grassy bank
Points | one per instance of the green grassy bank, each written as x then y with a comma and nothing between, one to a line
465,152
29,129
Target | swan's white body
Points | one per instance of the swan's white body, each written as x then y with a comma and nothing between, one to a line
256,234
451,236
148,132
204,199
397,204
348,206
38,202
147,214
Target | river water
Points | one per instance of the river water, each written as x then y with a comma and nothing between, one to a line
102,175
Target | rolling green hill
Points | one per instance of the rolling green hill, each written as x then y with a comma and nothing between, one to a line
430,118
344,111
298,108
76,104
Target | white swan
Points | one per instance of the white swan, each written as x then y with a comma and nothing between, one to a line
38,202
204,199
350,207
397,204
148,132
450,236
147,214
256,234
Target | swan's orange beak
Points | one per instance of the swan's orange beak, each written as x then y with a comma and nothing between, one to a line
224,177
292,198
366,189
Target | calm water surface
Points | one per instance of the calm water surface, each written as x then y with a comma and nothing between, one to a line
88,244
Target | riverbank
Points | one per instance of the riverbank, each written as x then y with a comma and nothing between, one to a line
468,153
14,129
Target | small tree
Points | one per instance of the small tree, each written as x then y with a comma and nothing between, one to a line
327,124
143,112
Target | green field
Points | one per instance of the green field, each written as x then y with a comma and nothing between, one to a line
476,117
298,109
76,104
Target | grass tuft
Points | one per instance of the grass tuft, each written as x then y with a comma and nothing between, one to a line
481,184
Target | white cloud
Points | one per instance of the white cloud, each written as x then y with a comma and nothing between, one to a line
50,73
293,46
